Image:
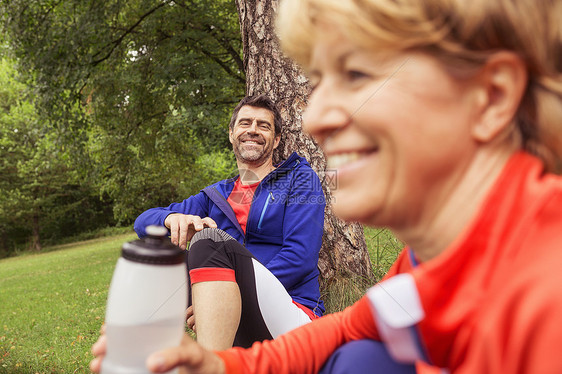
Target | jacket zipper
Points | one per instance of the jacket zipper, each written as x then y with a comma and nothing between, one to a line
270,198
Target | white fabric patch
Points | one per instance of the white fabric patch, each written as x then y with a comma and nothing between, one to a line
396,308
276,305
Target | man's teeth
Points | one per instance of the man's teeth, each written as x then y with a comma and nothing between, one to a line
338,160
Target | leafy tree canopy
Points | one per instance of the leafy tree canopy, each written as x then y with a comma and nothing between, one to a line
140,91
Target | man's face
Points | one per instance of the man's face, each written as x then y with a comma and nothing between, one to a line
253,135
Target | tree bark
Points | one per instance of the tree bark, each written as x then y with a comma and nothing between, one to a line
344,252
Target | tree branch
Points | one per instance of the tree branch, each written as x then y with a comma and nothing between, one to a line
226,45
127,32
223,65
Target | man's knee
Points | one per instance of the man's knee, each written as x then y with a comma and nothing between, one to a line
214,234
209,248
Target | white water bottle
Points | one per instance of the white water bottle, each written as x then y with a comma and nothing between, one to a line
146,304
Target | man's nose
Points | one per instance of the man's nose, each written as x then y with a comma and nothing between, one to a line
253,129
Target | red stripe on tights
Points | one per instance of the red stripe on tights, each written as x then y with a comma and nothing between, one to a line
211,274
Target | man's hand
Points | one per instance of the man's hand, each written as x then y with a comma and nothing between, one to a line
184,226
190,357
190,318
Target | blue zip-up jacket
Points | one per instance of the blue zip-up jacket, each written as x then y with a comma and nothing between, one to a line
284,228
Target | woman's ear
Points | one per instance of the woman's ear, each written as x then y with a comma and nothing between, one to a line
502,80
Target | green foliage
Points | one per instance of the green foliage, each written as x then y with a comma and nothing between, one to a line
40,194
131,99
141,89
210,167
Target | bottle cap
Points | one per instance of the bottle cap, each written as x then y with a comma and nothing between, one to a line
154,230
156,248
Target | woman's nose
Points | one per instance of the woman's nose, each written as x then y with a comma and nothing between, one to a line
324,114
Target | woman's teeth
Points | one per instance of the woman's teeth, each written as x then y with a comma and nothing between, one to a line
335,161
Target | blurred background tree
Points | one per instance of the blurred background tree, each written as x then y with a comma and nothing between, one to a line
136,94
344,261
42,197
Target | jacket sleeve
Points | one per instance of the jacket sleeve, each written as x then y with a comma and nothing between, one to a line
303,226
195,205
305,349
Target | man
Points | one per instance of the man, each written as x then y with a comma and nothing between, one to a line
254,239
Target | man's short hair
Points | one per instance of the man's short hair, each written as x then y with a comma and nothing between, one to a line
259,101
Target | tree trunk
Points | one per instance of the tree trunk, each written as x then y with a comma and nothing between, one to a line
344,252
35,238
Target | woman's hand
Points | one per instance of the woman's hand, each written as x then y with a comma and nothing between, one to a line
189,357
98,349
190,318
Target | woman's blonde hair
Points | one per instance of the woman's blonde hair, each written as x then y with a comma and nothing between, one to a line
462,34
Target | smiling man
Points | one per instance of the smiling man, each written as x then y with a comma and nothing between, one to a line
253,137
254,239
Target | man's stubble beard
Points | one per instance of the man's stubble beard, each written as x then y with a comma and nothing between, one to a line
252,157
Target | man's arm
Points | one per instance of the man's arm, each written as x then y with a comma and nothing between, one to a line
182,219
182,227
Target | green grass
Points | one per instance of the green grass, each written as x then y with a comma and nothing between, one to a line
383,249
52,306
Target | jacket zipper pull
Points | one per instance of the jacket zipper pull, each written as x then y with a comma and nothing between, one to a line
270,198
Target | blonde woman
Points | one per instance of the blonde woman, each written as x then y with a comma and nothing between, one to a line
443,120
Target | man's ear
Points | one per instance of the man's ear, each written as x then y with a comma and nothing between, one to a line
277,140
230,135
502,83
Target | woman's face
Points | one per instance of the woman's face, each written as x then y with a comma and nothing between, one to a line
395,130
